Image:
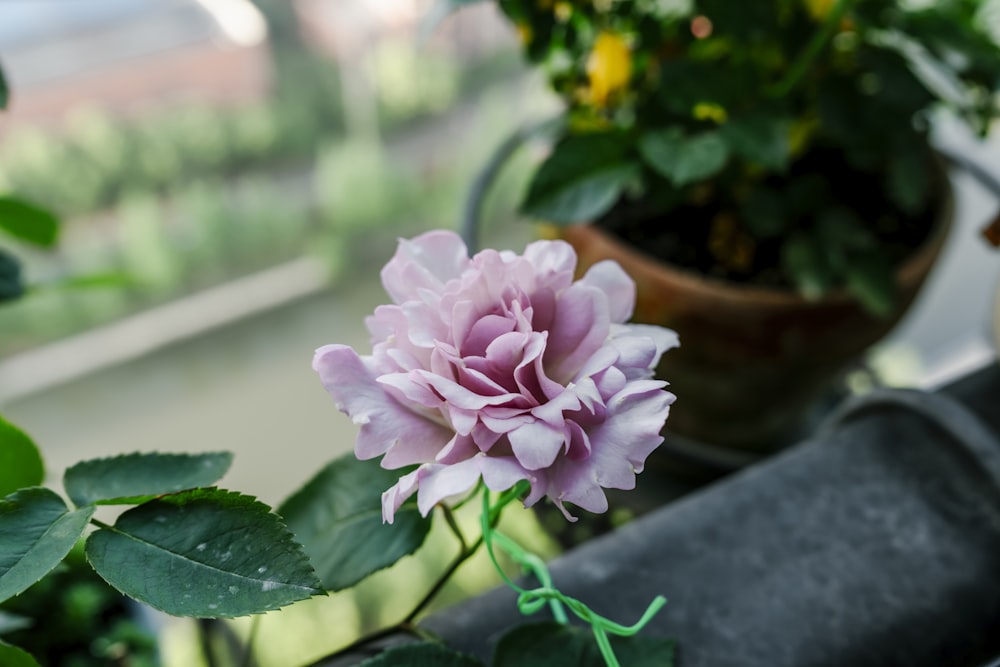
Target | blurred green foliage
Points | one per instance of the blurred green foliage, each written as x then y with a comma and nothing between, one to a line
74,619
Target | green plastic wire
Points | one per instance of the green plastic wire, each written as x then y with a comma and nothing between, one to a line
530,601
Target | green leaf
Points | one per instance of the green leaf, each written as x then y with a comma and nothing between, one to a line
760,138
4,91
806,263
12,656
206,553
684,159
638,651
908,181
582,178
28,222
36,533
422,654
550,643
840,229
20,462
11,286
870,279
764,214
135,478
546,643
337,517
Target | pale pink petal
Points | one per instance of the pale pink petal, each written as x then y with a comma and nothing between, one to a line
502,472
394,497
635,417
554,262
443,481
537,444
425,262
580,329
383,421
610,278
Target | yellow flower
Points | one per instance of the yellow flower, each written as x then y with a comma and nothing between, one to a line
818,9
609,67
709,111
524,32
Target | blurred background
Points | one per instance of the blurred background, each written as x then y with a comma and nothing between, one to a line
246,168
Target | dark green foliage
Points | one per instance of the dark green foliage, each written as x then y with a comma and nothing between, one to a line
77,619
134,478
37,530
12,656
20,461
28,222
422,654
207,553
11,287
4,91
549,643
581,180
337,517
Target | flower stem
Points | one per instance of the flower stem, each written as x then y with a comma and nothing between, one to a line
465,552
248,660
812,50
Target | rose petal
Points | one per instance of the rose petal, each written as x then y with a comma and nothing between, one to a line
580,328
444,481
537,444
383,420
425,262
394,497
609,277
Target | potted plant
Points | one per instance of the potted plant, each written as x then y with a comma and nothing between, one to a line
765,171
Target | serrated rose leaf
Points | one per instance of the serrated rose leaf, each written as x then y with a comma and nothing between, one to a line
20,463
36,532
337,517
135,478
205,553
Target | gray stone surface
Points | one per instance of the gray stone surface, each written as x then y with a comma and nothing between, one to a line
877,542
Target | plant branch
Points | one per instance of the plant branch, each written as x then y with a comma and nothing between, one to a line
248,660
465,552
812,50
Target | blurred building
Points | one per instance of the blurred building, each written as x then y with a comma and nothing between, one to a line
127,56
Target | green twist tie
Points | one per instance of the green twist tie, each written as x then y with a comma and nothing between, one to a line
530,601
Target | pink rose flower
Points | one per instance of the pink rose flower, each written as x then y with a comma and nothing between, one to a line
500,367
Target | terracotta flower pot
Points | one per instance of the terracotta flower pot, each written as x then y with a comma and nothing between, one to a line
753,361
